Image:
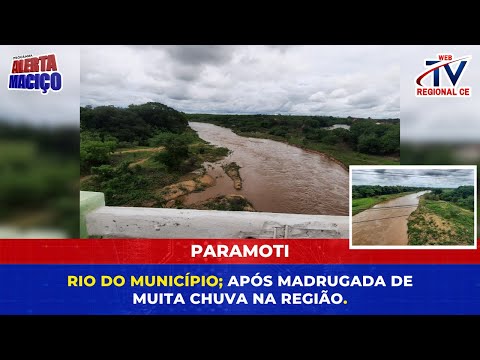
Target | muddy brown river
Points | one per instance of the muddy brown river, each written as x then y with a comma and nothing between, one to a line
276,177
385,223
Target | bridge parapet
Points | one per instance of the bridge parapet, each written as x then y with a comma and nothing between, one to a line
137,222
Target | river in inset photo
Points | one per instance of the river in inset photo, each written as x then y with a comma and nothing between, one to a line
386,222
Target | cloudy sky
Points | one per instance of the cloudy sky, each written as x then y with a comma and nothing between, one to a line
54,108
413,177
439,119
358,81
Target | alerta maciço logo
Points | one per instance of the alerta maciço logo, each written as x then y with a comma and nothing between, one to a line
442,77
35,73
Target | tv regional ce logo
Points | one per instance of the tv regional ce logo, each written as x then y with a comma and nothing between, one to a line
442,77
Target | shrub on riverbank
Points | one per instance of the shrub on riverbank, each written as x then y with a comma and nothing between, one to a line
437,222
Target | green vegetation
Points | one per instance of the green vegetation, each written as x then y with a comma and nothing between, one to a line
131,156
105,128
139,185
233,171
231,167
132,153
344,154
227,203
362,204
438,222
176,156
443,153
362,191
39,182
443,217
133,125
367,141
94,151
462,196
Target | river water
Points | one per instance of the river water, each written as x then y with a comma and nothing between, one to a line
385,223
276,177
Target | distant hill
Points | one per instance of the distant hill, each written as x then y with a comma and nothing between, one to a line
134,123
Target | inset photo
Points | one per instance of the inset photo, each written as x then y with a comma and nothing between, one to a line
413,206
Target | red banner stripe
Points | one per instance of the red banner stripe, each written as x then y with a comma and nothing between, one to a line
178,251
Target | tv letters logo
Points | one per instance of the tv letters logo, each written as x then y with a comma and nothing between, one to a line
443,77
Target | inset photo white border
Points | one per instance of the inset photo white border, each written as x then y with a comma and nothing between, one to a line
353,168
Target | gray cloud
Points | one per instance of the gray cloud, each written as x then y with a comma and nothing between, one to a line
414,177
364,100
281,48
358,81
200,54
54,108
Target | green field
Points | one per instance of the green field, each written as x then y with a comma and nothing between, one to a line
362,204
437,222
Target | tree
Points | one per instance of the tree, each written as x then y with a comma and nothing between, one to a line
377,139
134,124
122,185
95,153
390,141
161,116
176,149
368,143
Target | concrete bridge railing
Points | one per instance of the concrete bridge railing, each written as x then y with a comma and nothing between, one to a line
100,221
